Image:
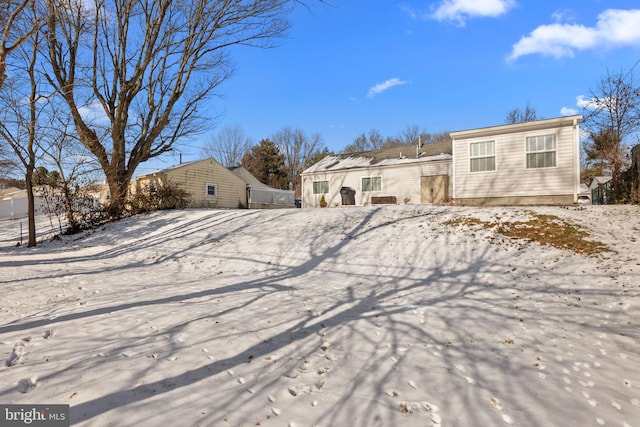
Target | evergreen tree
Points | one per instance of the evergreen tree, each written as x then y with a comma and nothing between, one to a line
266,162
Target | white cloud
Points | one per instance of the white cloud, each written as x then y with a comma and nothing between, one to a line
563,15
381,87
93,113
460,10
566,111
588,103
614,28
582,103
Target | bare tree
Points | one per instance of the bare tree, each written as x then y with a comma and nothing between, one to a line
411,134
228,146
21,104
18,25
297,148
7,163
366,142
521,116
148,65
612,115
73,167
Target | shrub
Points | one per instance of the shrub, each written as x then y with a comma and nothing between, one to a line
167,196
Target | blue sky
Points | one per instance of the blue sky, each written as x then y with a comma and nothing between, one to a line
443,65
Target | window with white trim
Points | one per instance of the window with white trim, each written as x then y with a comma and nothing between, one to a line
541,151
211,190
320,187
482,156
372,183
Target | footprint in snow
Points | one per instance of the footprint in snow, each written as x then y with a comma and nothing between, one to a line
16,355
495,402
27,385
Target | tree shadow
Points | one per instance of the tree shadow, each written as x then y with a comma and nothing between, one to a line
411,324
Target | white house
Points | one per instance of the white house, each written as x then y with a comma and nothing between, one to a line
526,163
522,164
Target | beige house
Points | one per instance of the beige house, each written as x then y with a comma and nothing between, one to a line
527,163
209,184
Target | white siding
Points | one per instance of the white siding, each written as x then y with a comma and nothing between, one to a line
400,181
511,177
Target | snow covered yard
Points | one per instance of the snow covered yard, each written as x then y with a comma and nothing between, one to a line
376,316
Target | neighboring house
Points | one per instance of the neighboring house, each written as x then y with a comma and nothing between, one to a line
14,204
526,163
211,185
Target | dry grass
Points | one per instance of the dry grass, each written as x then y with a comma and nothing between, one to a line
547,230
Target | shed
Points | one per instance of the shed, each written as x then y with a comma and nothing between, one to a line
600,189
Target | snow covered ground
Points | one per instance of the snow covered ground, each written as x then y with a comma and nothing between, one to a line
376,316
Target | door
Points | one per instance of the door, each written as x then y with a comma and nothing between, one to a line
434,189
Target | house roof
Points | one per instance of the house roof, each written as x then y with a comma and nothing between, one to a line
518,127
400,154
8,192
172,168
361,160
247,177
12,193
599,180
238,171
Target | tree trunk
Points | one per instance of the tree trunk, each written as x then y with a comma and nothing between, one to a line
31,208
72,225
118,182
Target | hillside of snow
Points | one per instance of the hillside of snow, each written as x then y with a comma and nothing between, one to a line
375,316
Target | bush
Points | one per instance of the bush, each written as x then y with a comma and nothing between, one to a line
167,196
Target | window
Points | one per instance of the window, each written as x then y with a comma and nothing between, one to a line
482,156
320,187
212,190
373,183
541,151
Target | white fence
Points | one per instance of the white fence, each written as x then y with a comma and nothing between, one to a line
17,208
270,197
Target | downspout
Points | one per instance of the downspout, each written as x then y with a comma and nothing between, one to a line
576,175
453,168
